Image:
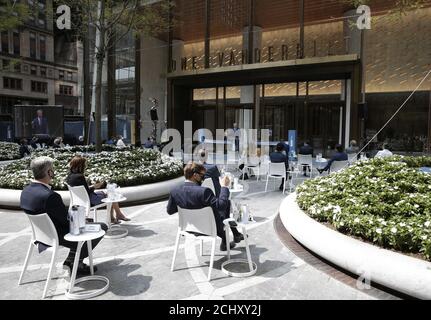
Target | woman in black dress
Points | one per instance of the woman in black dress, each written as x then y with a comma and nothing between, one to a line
76,178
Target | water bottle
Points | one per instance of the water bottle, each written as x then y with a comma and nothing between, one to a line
74,221
81,218
245,214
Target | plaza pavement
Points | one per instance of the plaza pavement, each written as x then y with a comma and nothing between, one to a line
138,266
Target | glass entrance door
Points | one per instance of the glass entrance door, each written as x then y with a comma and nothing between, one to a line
325,126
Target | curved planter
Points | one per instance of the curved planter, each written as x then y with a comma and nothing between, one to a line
137,194
394,270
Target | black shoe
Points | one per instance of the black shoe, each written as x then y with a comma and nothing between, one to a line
238,238
83,269
223,246
320,170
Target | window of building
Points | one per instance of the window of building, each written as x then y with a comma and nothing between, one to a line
17,67
70,76
16,43
12,83
33,70
61,74
41,22
66,90
42,47
6,64
5,41
42,4
32,45
42,71
37,86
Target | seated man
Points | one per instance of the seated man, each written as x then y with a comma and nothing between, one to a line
305,150
278,157
38,198
191,195
211,171
385,152
353,148
149,144
340,155
23,148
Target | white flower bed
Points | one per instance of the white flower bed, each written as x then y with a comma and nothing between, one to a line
9,151
385,201
126,168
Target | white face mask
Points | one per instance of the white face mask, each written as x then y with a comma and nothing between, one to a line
51,173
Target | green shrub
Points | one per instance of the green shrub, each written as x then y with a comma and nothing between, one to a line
385,201
9,151
126,168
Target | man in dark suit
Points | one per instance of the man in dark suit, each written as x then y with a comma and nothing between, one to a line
278,157
305,150
191,195
38,198
212,171
39,124
340,155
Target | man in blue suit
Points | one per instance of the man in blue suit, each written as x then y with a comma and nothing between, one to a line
278,157
38,198
306,149
212,171
191,195
39,124
340,155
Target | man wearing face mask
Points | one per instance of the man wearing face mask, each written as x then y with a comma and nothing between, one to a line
191,195
38,198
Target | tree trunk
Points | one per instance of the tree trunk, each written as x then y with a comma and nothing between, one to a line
98,113
87,90
100,57
111,106
138,142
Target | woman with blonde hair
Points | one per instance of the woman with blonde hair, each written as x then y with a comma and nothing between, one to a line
76,178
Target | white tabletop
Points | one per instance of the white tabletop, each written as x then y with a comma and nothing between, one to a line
239,188
85,236
321,160
107,200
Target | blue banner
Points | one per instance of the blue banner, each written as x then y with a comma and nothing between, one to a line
292,144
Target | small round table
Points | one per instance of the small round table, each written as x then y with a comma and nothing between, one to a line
81,238
251,265
236,190
321,164
114,228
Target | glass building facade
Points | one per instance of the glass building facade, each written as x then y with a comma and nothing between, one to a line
302,65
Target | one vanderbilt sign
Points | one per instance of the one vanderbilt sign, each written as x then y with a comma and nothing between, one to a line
267,54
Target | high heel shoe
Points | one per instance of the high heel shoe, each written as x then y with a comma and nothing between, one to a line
123,217
115,221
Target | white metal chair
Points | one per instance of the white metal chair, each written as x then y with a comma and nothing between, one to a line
43,231
338,165
208,183
252,164
352,158
277,171
79,197
201,222
306,160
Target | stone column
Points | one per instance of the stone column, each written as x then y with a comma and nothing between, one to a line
154,58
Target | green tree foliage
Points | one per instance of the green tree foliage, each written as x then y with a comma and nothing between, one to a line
113,20
12,14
